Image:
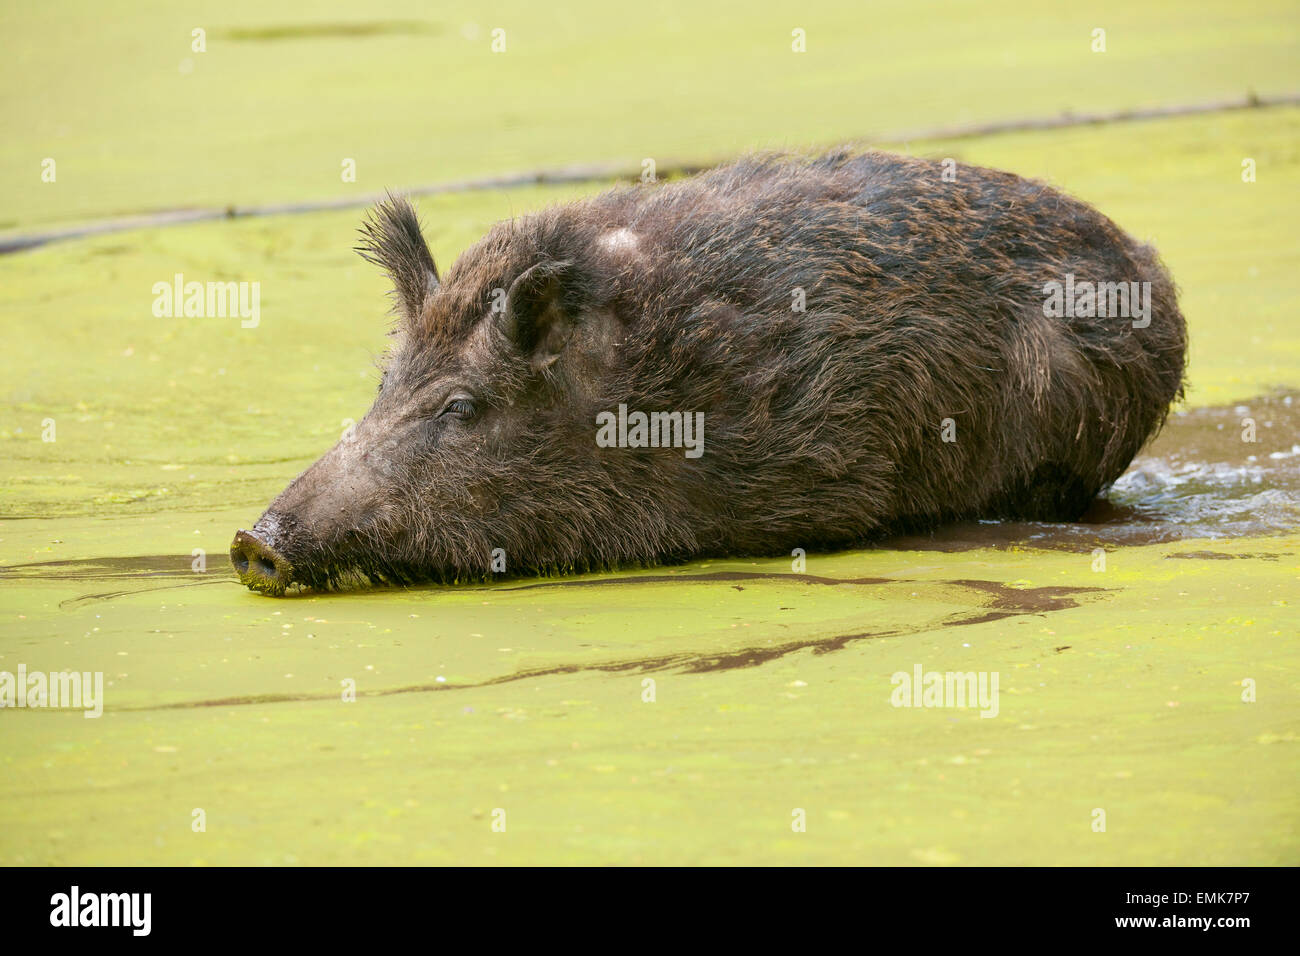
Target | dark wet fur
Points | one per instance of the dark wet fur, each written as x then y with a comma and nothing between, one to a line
822,428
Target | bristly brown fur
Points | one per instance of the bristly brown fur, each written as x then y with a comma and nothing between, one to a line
924,304
392,239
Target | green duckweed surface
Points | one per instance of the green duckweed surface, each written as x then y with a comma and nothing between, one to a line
684,714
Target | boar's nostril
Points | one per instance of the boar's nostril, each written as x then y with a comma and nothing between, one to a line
259,565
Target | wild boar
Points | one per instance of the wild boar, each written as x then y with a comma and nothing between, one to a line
784,352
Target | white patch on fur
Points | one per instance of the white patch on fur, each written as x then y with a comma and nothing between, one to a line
620,240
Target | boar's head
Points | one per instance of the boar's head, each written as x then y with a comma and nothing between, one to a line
480,441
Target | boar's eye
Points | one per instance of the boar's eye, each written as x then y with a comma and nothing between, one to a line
460,407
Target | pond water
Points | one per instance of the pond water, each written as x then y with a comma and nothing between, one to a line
768,690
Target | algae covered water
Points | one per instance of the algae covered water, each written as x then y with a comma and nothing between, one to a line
598,712
1133,696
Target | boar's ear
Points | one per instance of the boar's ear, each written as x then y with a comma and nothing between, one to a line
540,311
391,239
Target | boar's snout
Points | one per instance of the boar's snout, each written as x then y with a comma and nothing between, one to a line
260,566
